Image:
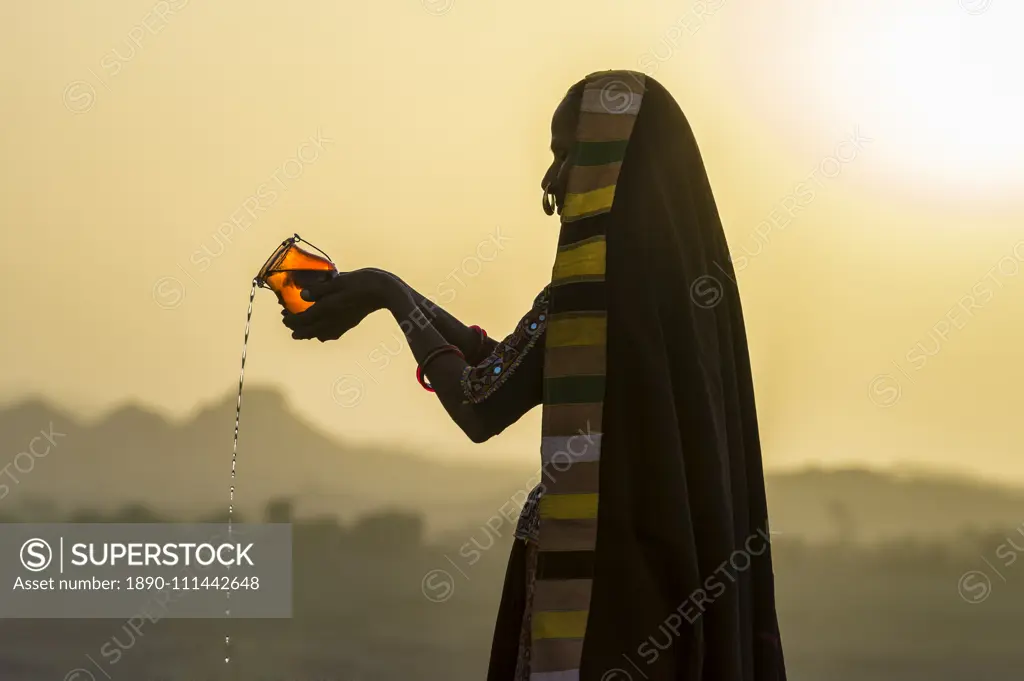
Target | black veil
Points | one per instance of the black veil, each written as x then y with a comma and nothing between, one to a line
683,581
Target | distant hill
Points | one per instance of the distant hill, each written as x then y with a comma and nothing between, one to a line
861,505
134,455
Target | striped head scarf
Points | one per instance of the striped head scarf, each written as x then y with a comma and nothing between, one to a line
574,378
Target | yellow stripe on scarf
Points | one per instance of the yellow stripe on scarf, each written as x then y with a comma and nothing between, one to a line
560,624
588,202
586,259
583,330
568,506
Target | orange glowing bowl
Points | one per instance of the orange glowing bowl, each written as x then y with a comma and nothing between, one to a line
291,269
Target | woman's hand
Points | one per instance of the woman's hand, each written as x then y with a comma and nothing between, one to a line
340,304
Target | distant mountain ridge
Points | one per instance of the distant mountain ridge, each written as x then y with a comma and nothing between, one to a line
136,455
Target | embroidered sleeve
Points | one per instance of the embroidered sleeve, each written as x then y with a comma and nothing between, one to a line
528,527
480,381
485,346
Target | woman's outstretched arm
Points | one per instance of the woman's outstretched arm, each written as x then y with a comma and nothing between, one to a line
474,344
482,396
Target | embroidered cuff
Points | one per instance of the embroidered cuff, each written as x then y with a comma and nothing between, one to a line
480,381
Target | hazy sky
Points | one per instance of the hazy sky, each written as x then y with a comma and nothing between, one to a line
868,163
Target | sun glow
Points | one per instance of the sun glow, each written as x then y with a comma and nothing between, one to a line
942,94
939,89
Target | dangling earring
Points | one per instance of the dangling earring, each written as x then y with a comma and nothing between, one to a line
548,202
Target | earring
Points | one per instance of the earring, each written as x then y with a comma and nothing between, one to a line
548,202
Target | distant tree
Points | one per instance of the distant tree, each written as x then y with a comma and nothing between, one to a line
136,513
86,515
389,530
39,510
281,510
844,523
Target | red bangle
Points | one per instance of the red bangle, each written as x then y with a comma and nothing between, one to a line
483,334
423,384
430,357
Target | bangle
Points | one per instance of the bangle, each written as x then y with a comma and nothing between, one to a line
433,354
483,334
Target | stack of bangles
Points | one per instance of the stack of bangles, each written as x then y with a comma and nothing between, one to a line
438,351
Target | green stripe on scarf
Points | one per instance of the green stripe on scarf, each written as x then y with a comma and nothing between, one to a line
598,153
574,390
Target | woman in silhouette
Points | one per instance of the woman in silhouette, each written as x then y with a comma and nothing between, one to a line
644,553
